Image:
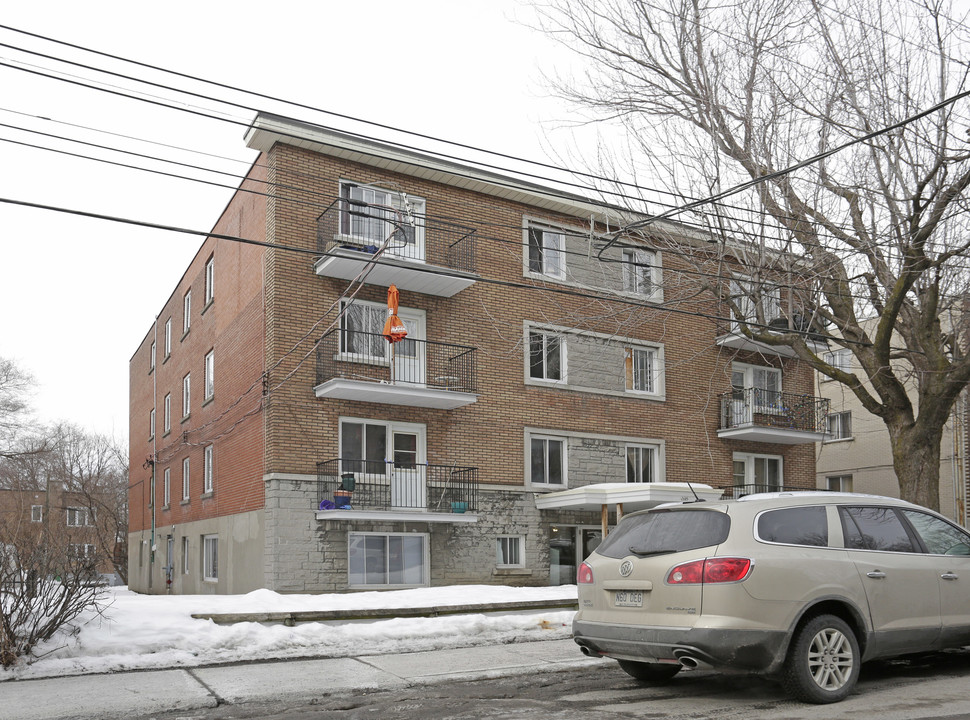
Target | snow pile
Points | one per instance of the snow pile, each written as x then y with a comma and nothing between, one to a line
158,631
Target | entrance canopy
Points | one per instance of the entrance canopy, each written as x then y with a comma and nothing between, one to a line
627,497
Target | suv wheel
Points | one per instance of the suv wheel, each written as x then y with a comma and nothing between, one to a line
823,661
649,672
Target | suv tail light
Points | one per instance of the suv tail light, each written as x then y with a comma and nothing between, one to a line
584,576
711,570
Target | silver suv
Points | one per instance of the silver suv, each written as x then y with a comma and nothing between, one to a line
805,586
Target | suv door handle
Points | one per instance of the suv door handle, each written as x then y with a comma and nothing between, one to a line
950,576
878,574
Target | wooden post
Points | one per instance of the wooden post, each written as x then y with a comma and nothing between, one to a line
604,519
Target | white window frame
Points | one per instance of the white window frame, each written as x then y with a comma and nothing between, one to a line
81,551
546,337
756,378
167,487
384,220
187,311
168,337
751,459
510,551
168,412
82,517
210,558
186,395
770,300
842,424
654,464
550,245
151,365
642,273
209,380
37,513
839,481
840,359
151,424
653,374
425,561
210,276
390,427
185,478
185,554
546,439
207,470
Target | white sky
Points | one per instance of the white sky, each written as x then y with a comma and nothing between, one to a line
158,631
78,295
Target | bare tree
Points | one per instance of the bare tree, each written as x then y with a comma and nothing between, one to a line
871,234
16,436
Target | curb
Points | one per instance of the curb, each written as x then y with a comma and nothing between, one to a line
292,618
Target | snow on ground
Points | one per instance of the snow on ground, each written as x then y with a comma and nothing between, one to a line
158,631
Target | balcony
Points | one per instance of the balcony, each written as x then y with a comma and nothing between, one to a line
352,489
417,373
769,416
735,339
429,257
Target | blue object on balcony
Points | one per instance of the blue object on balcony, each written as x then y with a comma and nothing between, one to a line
327,505
459,507
341,500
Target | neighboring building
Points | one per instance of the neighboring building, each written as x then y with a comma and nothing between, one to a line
856,455
56,520
290,447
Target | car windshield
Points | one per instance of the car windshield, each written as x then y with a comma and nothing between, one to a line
665,531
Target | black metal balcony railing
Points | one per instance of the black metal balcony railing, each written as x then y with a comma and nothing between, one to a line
370,358
364,227
774,409
382,485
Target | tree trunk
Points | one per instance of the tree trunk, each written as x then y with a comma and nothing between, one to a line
916,460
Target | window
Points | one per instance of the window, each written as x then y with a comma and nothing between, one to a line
757,473
37,513
679,530
750,297
210,558
361,325
641,272
167,487
371,216
839,359
548,461
368,445
207,470
210,275
641,370
210,384
839,483
185,556
79,551
940,537
838,426
186,395
151,424
641,463
546,356
187,311
168,337
395,560
875,528
546,252
151,360
185,479
756,386
79,517
508,551
168,412
795,526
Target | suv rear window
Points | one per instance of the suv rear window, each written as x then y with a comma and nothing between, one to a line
666,531
795,526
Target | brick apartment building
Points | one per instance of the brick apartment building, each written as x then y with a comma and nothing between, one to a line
278,441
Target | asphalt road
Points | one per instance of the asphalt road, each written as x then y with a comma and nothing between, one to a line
932,687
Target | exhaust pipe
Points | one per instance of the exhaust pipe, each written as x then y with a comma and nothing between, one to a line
587,652
689,662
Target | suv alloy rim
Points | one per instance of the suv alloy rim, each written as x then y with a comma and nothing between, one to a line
830,659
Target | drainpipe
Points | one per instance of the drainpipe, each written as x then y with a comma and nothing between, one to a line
151,546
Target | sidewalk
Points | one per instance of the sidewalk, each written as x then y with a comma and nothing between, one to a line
120,695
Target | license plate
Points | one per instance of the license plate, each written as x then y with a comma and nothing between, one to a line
627,598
